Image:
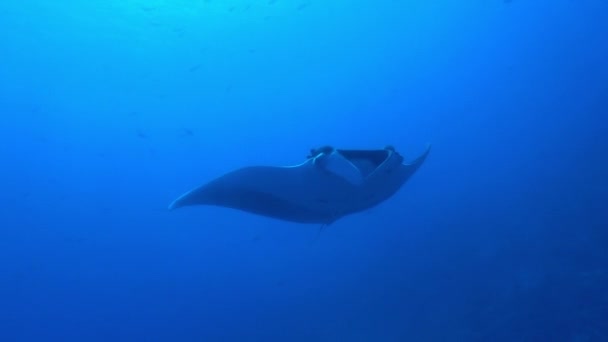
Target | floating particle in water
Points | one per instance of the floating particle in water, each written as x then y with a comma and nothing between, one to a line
179,30
187,132
141,134
19,275
302,6
194,68
74,239
41,139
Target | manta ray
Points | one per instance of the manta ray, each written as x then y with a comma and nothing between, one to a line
330,184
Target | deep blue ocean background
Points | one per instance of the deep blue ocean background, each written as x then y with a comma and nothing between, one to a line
111,109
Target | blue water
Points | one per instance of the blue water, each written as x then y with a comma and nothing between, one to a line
111,109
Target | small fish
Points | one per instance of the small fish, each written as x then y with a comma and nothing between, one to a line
302,6
187,132
194,68
141,134
75,239
19,275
